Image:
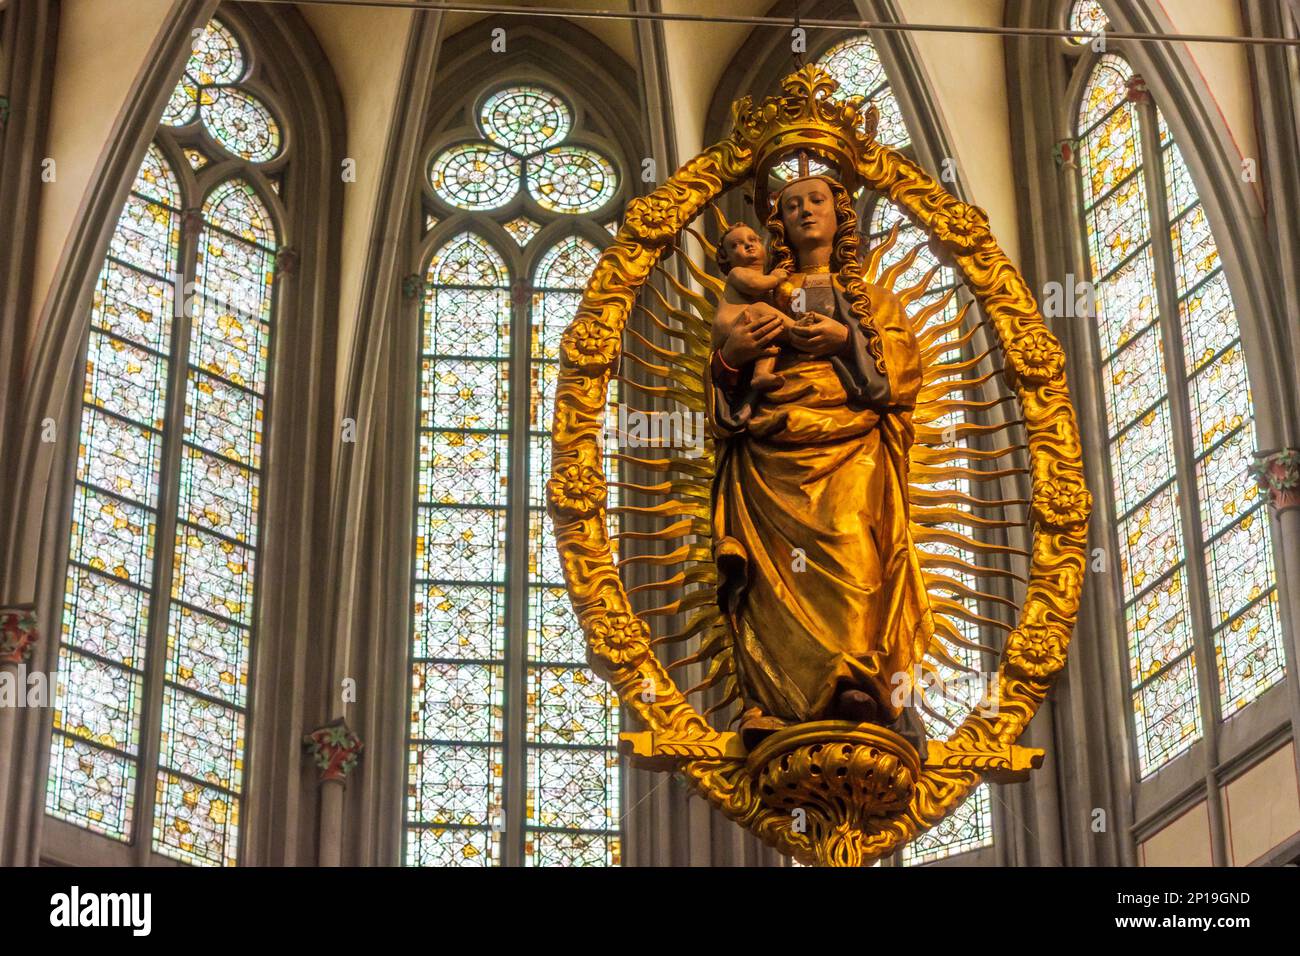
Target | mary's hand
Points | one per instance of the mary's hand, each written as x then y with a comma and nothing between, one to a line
818,335
753,336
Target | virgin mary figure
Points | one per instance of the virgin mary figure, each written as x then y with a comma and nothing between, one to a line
819,581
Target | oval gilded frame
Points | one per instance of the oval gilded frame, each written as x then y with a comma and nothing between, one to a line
618,640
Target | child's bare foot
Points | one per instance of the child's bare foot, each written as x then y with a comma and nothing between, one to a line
766,381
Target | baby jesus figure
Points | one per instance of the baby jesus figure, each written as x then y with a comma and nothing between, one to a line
742,259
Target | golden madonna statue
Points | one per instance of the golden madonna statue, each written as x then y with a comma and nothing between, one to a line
819,580
825,552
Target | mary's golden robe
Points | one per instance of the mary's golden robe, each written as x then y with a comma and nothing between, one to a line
818,576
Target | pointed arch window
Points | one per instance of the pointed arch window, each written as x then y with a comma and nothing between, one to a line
152,694
512,738
1195,556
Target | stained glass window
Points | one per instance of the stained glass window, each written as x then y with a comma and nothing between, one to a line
522,230
184,612
525,119
524,127
856,65
513,755
1180,426
1087,16
455,782
461,643
571,179
475,176
573,777
235,118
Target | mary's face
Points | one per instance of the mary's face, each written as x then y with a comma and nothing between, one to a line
808,211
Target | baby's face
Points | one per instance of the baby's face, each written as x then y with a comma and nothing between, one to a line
743,247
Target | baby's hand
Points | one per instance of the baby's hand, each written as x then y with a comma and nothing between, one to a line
780,274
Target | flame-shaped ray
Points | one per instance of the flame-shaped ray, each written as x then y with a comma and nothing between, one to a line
938,370
922,497
941,407
941,559
935,456
950,515
699,467
712,284
929,475
681,359
685,553
723,668
669,509
876,255
708,618
732,695
716,643
953,386
700,597
924,535
896,269
941,346
957,609
922,316
940,653
941,582
679,529
913,292
666,489
962,430
683,335
928,335
702,573
703,307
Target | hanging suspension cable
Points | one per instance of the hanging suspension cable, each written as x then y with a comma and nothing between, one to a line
572,13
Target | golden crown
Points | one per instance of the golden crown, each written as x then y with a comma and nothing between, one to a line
806,124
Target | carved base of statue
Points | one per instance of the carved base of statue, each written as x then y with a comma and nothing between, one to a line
840,782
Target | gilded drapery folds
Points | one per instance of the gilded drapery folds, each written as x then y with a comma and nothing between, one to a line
677,735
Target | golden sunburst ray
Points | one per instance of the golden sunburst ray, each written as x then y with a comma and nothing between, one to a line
721,672
920,318
666,489
876,254
679,359
942,559
923,496
673,508
694,525
963,430
938,370
693,401
936,456
703,574
710,647
692,600
942,582
699,467
685,553
942,346
890,276
950,514
913,292
943,407
953,386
